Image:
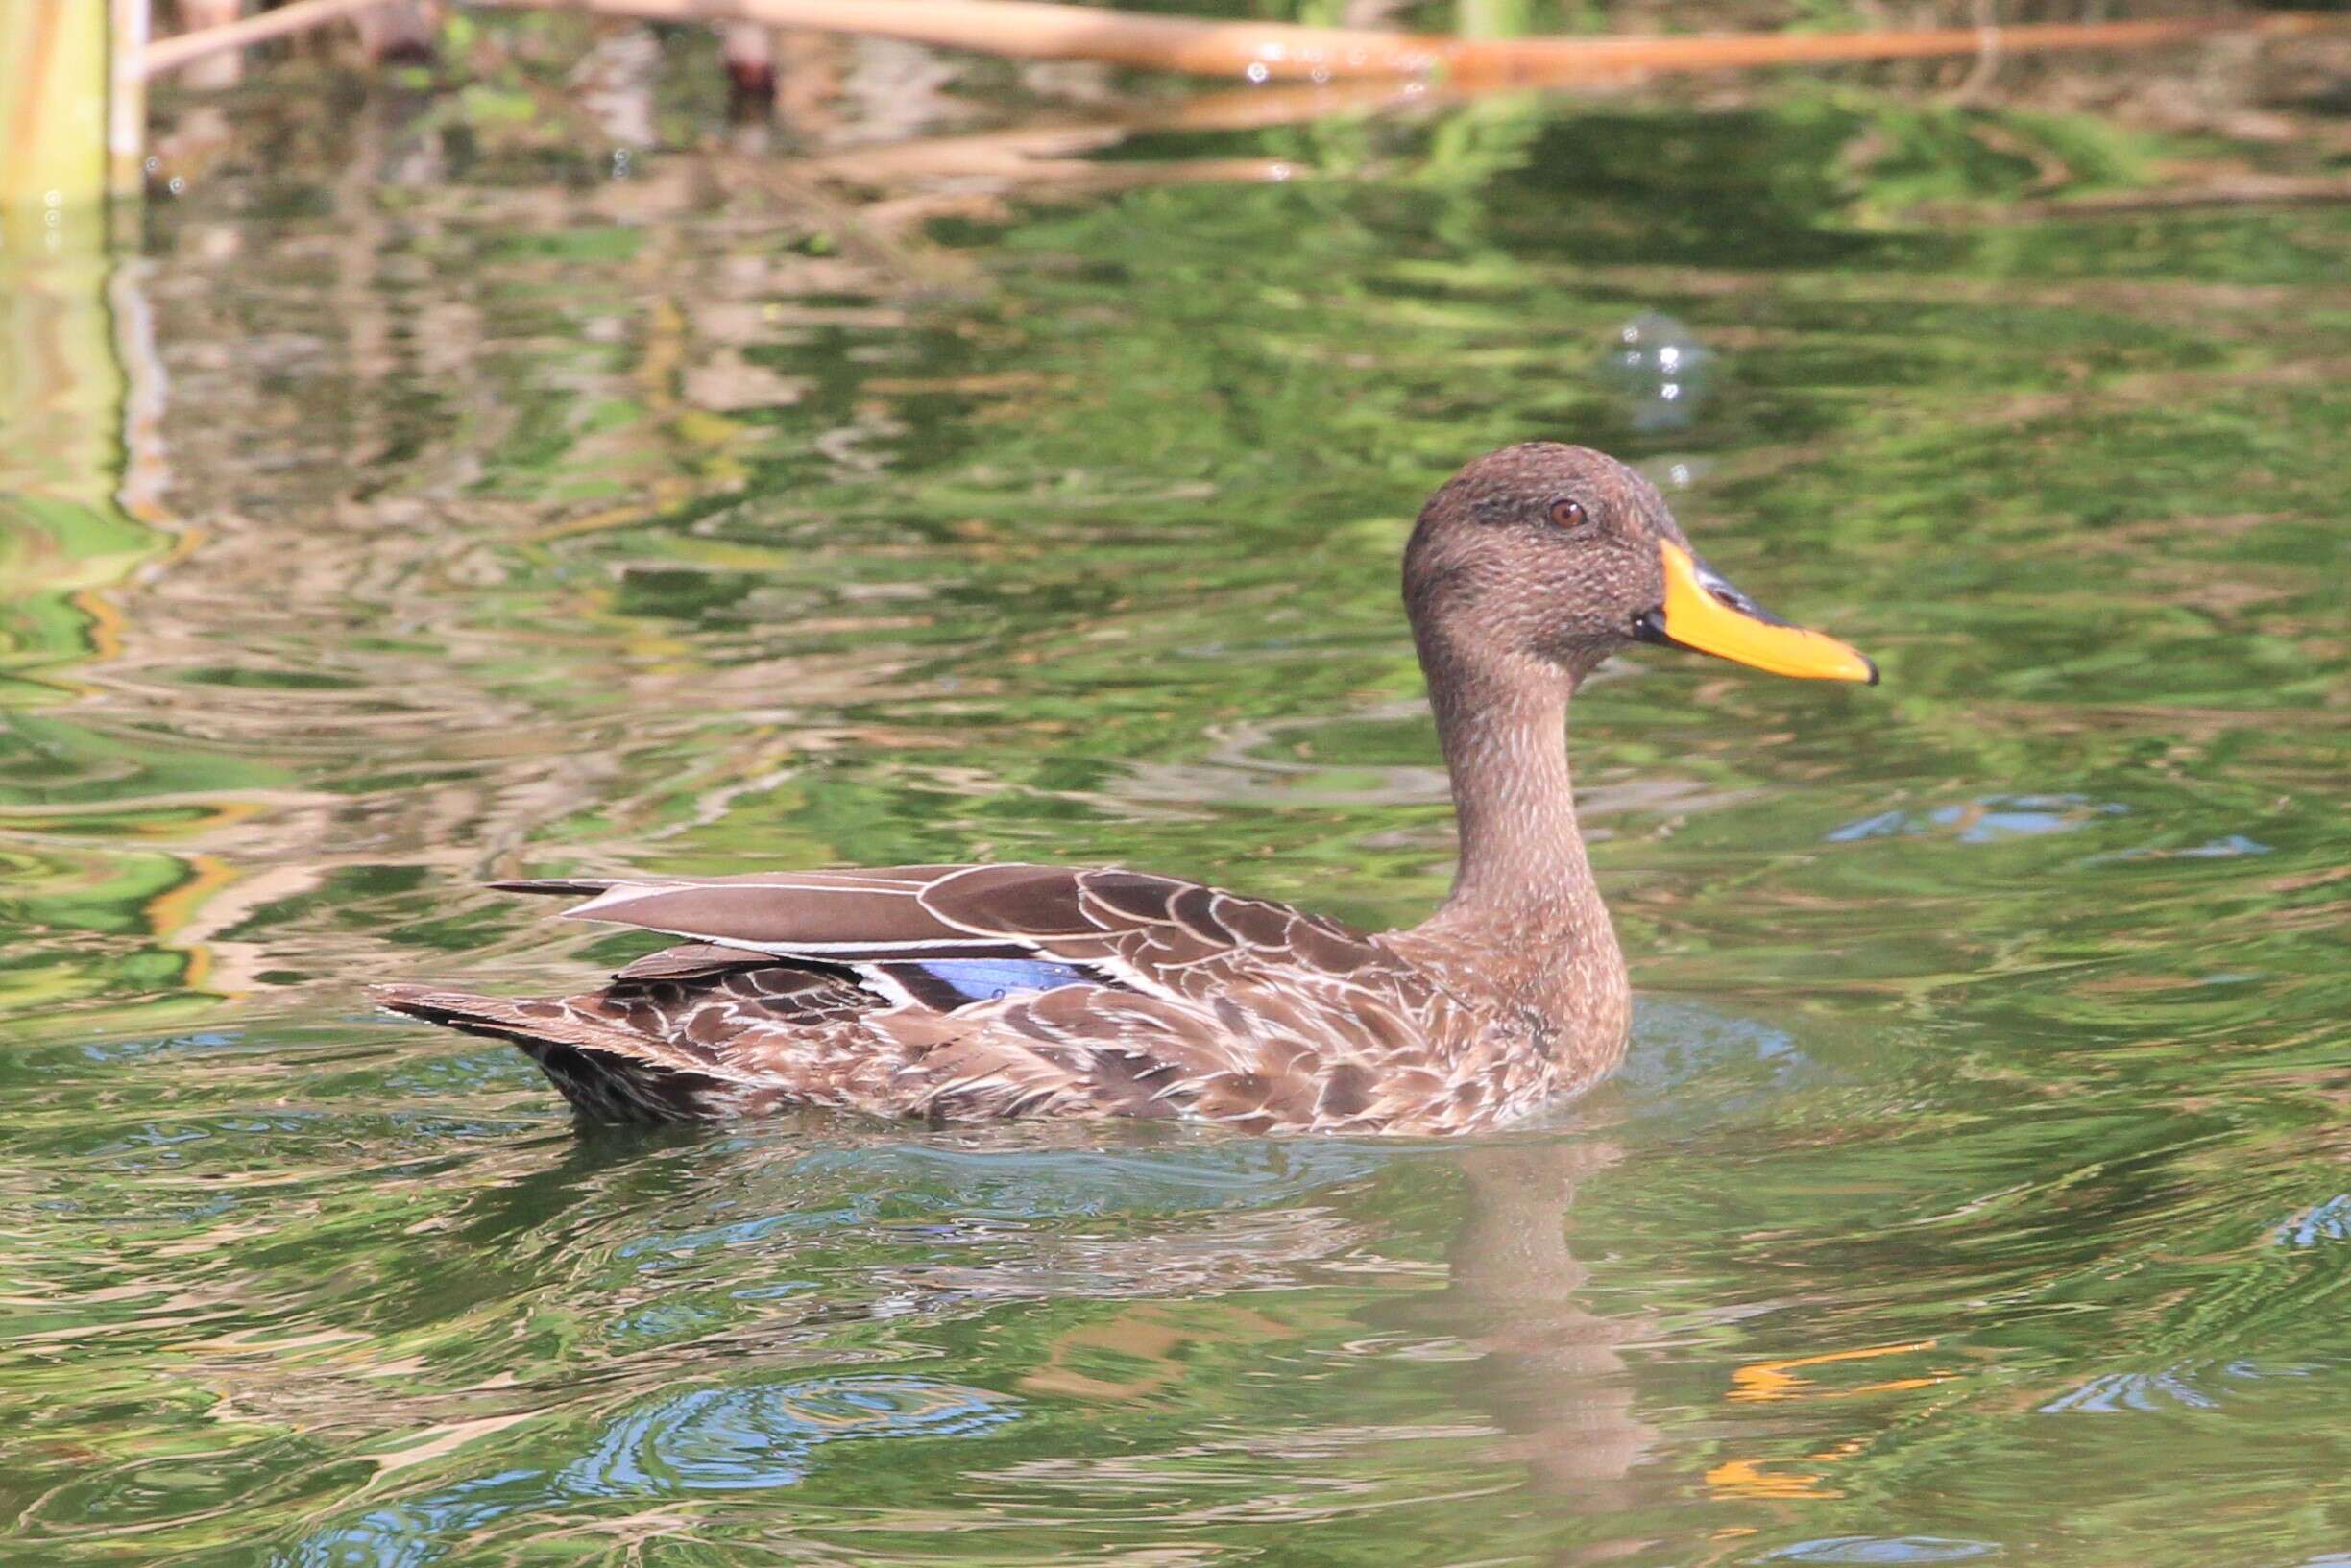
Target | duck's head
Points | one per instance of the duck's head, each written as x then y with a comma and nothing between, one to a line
1544,554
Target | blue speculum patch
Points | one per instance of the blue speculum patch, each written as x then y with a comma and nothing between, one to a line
983,979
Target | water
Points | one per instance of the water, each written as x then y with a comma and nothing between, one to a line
1977,1188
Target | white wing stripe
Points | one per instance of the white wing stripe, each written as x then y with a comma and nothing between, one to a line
625,892
925,945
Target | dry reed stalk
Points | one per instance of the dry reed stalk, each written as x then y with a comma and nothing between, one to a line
1259,50
53,110
170,54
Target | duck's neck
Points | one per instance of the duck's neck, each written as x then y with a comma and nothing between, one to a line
1504,735
1524,889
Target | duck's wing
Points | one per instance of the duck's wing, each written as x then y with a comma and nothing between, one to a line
941,936
982,991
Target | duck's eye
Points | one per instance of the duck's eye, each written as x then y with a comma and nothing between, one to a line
1566,514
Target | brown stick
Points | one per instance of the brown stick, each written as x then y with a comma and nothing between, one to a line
171,54
1262,50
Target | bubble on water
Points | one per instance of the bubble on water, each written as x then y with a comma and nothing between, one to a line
1257,71
1672,474
1659,370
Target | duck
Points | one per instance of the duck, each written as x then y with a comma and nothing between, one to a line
958,993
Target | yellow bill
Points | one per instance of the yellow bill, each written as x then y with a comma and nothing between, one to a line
1705,613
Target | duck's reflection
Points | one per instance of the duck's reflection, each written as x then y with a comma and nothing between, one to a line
1550,1370
1136,1287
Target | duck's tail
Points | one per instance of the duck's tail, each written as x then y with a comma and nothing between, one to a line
607,1073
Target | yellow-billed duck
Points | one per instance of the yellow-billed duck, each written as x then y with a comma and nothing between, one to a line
967,992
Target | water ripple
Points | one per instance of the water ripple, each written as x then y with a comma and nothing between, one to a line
739,1438
1882,1548
744,1438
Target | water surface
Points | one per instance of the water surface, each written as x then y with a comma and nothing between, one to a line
392,514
